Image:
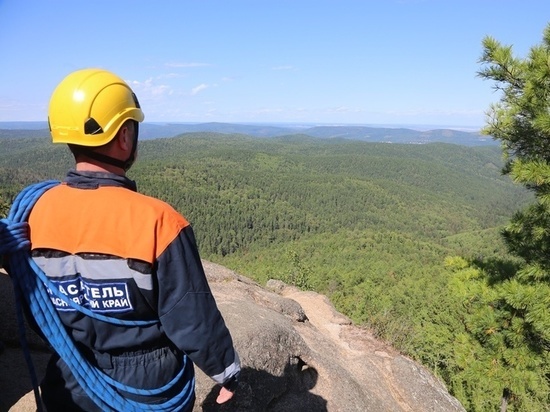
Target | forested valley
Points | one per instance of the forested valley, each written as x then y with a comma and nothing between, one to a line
395,235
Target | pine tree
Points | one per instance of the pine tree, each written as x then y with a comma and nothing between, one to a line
507,315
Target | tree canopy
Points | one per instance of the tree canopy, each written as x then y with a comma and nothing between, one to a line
505,331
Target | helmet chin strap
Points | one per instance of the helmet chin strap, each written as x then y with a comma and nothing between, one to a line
123,164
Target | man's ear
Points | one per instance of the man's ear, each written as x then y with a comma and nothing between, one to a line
124,138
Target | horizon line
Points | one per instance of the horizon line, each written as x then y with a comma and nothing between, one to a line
417,126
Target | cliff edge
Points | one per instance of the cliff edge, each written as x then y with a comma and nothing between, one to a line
298,354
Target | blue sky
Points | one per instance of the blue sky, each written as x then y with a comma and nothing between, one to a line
386,62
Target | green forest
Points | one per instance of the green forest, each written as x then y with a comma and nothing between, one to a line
396,235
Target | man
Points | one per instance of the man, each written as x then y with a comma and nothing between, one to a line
123,255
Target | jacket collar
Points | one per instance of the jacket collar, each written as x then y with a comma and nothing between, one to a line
93,180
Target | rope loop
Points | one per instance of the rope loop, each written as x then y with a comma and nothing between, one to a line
14,236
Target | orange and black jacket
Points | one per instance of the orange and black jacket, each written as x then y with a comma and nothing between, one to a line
130,256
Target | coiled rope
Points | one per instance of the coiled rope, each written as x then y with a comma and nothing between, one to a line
30,285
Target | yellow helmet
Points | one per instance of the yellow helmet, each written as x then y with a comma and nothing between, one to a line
88,107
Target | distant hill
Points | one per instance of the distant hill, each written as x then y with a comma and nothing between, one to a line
349,132
399,135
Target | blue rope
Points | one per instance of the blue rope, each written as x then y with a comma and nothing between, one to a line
31,283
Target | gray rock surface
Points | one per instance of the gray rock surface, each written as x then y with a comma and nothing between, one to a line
298,354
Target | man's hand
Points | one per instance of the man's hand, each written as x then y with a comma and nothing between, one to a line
224,395
228,389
